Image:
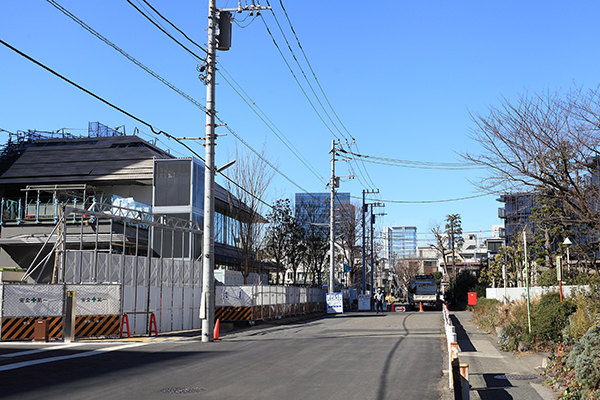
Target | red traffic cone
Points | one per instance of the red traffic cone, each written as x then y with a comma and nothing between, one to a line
393,308
420,306
216,331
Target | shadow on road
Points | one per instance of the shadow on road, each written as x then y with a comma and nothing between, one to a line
69,372
495,388
463,340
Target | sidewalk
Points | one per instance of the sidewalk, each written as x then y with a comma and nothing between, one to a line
496,374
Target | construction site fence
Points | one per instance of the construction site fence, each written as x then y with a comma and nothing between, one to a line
97,309
259,302
169,288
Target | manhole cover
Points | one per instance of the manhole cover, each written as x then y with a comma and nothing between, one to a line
516,377
187,390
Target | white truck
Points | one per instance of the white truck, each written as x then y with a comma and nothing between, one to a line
423,291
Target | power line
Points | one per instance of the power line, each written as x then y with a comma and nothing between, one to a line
189,98
297,81
302,70
250,103
220,120
175,27
428,201
319,85
161,132
124,53
412,164
166,33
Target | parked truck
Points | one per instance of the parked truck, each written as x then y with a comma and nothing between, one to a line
423,290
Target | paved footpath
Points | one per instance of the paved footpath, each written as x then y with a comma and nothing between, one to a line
495,374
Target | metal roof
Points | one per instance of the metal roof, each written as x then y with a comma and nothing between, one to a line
116,159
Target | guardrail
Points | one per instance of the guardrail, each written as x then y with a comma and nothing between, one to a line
458,373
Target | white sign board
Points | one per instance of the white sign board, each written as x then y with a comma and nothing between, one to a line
335,303
364,302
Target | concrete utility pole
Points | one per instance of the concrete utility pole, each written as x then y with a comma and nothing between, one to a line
207,311
208,243
372,244
364,241
333,185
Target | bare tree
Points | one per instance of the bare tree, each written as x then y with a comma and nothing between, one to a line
252,178
350,234
544,141
405,269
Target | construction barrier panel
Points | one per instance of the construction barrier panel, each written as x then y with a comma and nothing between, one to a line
97,309
243,303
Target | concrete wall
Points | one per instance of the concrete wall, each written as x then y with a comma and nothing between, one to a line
518,293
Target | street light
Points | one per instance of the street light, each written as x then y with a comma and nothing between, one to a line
567,243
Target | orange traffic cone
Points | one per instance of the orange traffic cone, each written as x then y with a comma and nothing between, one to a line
216,331
420,306
393,308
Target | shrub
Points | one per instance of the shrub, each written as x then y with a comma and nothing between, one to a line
515,327
588,312
584,358
486,314
548,278
549,316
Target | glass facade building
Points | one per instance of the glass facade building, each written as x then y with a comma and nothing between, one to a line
400,241
312,209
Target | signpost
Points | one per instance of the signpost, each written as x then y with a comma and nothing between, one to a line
364,302
335,303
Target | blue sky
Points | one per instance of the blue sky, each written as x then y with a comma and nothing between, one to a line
403,77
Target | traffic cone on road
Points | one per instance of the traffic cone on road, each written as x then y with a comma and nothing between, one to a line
216,331
420,306
393,308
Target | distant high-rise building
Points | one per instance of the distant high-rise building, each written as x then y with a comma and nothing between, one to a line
516,213
399,241
312,209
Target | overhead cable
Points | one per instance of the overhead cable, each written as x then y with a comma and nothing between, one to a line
160,132
319,85
297,81
165,32
412,164
175,27
270,125
124,53
427,201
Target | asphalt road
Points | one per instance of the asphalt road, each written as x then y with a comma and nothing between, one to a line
349,356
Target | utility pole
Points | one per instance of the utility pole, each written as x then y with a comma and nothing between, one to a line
372,244
208,243
333,185
207,309
364,240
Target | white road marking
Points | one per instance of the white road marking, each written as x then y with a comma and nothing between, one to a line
28,352
67,357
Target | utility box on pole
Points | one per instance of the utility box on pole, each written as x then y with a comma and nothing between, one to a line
224,36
